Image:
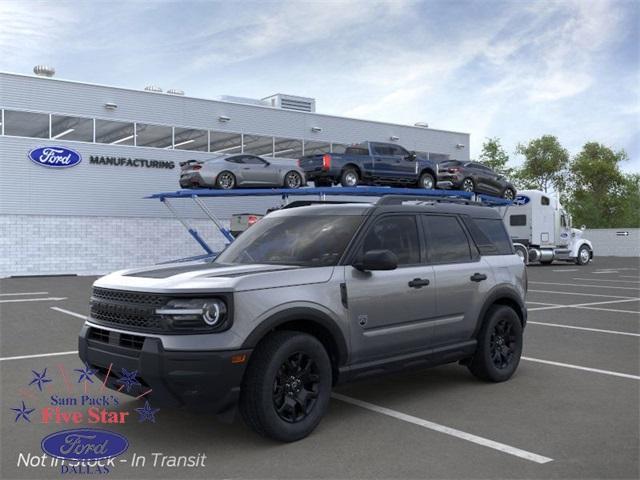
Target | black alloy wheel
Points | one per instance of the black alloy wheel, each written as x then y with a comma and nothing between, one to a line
509,194
226,180
502,345
296,387
468,185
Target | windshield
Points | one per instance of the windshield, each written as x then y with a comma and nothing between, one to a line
310,241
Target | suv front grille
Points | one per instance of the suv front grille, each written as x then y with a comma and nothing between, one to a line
133,310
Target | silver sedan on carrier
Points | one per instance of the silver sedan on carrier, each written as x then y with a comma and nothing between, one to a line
241,170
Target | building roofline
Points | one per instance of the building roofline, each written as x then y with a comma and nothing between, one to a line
231,103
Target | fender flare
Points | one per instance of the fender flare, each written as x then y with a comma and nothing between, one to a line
309,314
501,292
580,243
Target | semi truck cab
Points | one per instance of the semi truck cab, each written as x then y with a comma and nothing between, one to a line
541,230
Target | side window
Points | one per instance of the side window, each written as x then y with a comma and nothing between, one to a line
399,151
490,236
518,220
563,220
251,160
544,201
446,240
234,160
398,233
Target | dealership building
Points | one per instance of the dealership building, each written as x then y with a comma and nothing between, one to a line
92,217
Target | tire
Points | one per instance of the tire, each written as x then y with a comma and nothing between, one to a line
225,180
468,185
292,180
266,386
349,177
490,362
508,194
427,181
584,255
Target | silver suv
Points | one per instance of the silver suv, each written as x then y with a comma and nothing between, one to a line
310,297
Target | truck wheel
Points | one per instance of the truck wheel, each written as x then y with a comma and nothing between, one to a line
286,389
468,185
427,181
499,345
226,180
349,178
584,255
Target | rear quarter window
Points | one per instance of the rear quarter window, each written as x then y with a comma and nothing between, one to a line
490,236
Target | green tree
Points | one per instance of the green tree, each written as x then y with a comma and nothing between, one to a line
494,156
600,195
544,165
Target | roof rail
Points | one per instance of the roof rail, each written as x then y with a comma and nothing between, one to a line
398,199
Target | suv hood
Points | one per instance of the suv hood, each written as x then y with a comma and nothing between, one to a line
198,276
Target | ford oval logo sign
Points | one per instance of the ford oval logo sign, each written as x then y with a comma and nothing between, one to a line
55,157
84,444
521,200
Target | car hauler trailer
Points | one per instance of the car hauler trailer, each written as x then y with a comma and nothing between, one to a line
541,230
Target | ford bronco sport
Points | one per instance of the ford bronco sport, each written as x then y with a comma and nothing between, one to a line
310,297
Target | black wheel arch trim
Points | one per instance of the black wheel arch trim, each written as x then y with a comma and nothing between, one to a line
305,314
504,293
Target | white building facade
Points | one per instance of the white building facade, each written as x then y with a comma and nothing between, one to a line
92,217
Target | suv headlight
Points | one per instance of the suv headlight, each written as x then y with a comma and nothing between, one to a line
203,314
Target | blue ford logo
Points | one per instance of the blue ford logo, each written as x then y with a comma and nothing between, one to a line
84,444
521,200
55,157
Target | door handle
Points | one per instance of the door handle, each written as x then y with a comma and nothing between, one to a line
419,283
478,277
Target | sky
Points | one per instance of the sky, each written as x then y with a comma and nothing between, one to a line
514,70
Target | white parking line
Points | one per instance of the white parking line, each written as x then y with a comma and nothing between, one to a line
582,285
485,442
22,357
567,270
633,312
582,294
628,276
604,272
23,293
579,367
73,314
585,305
48,299
572,327
605,280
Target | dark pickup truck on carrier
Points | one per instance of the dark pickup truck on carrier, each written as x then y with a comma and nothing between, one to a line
371,163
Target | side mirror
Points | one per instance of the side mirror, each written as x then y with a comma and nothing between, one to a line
583,228
377,260
412,156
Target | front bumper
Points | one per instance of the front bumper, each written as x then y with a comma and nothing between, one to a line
176,378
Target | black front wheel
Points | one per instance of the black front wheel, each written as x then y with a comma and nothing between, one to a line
468,185
286,389
499,345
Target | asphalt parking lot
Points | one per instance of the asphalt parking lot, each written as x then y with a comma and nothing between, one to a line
571,411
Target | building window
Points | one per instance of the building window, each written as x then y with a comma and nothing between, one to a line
287,148
225,142
26,124
114,133
258,145
314,148
190,139
157,136
71,128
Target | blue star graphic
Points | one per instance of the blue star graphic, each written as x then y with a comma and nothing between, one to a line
39,379
23,412
128,379
147,413
85,373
